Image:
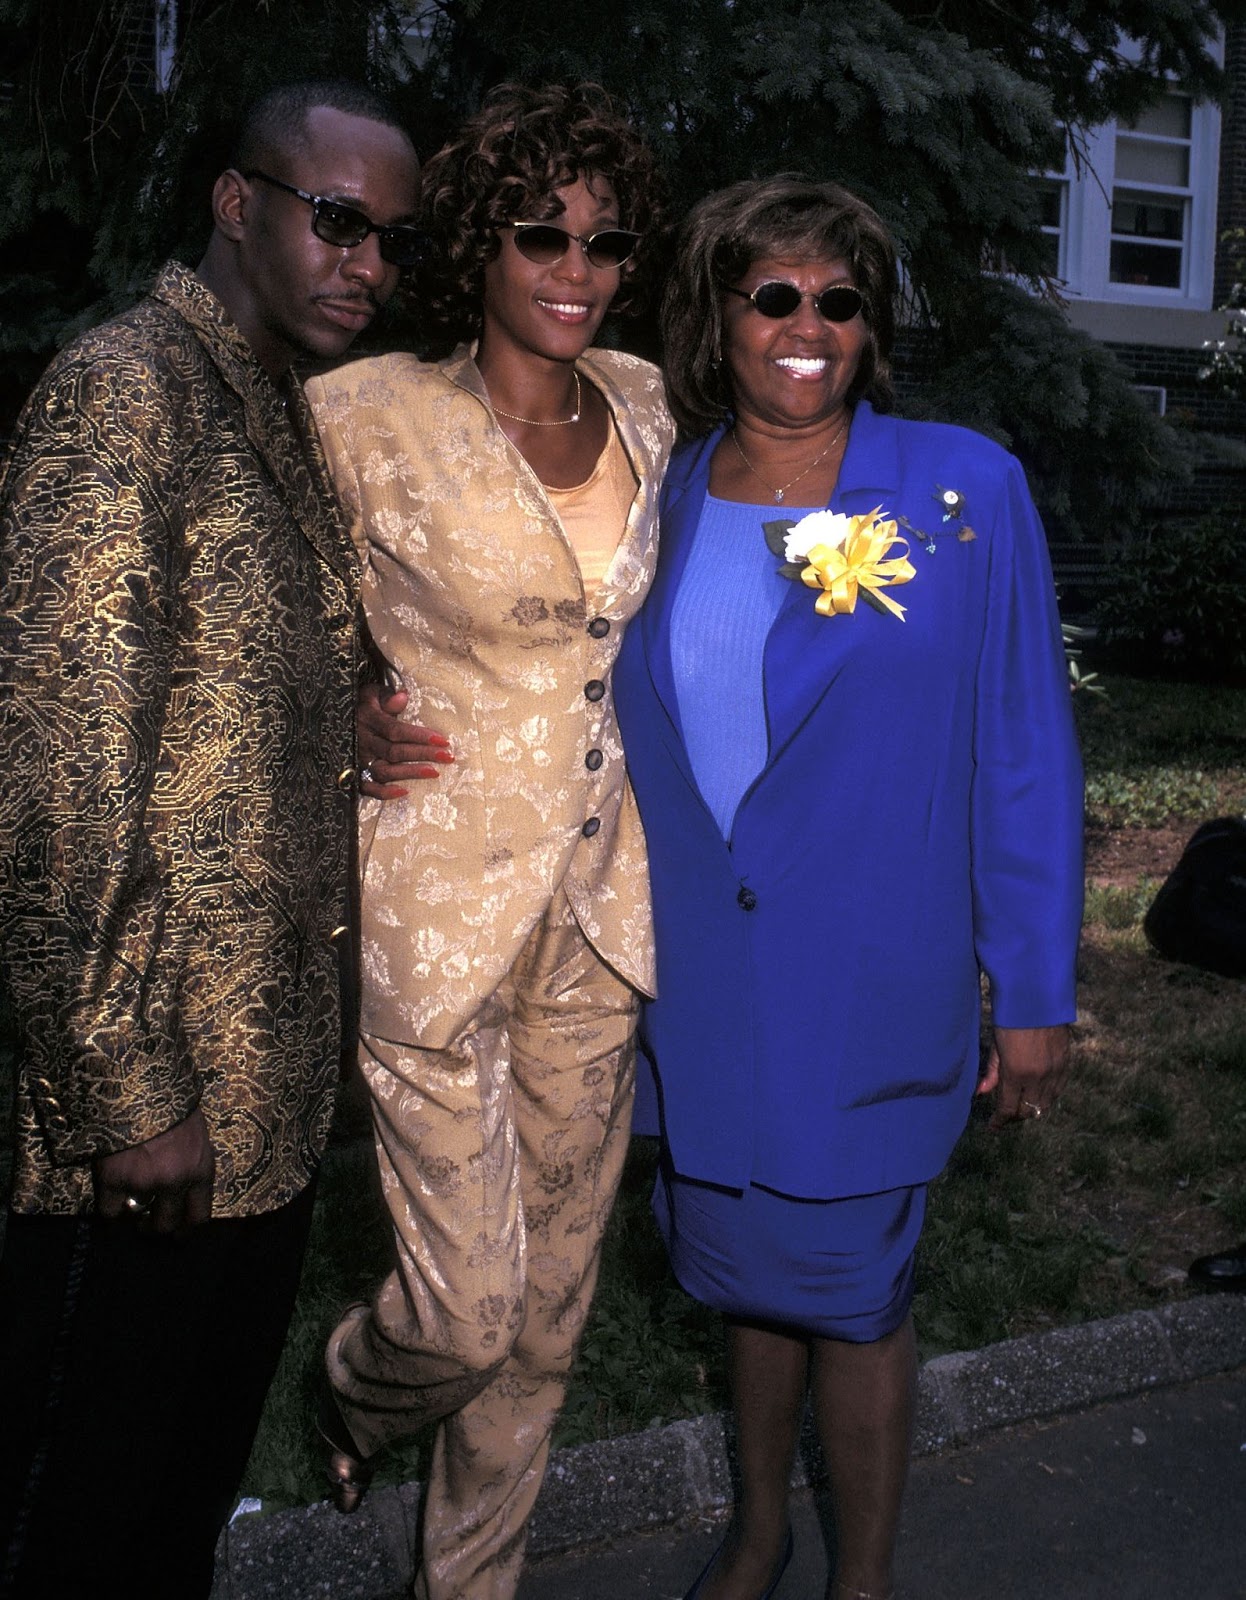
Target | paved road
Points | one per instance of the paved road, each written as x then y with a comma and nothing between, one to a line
1142,1499
1092,1463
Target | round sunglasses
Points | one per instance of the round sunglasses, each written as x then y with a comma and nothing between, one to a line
543,243
346,226
778,299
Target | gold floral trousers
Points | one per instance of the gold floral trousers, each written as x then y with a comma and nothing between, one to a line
500,1158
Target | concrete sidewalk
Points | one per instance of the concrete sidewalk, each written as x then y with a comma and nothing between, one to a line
1107,1461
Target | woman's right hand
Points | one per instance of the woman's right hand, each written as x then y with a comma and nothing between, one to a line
391,751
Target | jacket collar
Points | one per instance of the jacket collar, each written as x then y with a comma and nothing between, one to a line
276,417
639,535
461,369
871,464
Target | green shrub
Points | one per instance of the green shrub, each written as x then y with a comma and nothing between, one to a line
1177,601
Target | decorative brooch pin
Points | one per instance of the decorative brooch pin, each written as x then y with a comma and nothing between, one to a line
952,502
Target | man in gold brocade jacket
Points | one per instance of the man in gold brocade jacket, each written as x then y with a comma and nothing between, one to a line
177,666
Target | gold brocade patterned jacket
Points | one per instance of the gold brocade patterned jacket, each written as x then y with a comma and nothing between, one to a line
177,647
473,594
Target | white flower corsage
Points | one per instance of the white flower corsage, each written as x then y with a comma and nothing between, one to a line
845,557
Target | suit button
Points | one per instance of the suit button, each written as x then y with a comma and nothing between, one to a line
591,827
593,760
746,900
599,627
346,778
594,689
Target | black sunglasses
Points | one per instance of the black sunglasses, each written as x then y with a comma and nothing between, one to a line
543,243
778,299
346,226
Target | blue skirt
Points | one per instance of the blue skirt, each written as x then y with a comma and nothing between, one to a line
836,1269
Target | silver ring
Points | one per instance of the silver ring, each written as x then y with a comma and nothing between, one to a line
137,1207
366,774
1035,1111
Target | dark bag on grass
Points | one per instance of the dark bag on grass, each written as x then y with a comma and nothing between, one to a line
1199,914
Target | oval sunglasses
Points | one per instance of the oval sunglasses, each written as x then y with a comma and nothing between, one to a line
346,226
778,299
543,243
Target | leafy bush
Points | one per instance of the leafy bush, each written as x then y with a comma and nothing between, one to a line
1150,797
1226,356
1177,601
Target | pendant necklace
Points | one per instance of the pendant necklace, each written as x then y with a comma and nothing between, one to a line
531,422
803,473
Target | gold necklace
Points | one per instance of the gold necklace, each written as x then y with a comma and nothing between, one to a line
531,422
803,473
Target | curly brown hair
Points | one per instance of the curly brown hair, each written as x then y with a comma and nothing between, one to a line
791,218
506,165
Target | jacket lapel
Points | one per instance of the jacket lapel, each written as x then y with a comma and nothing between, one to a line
632,566
683,497
277,419
805,652
309,488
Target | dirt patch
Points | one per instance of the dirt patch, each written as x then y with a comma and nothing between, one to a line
1118,857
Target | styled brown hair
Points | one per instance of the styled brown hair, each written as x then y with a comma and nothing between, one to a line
505,165
791,218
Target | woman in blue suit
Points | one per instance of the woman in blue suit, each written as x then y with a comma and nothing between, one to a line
858,775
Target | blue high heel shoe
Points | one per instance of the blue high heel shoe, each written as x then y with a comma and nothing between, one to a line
777,1578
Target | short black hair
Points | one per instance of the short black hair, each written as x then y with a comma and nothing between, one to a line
278,119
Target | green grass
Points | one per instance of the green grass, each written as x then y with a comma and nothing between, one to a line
1158,751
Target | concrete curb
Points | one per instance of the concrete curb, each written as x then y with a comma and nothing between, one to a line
597,1492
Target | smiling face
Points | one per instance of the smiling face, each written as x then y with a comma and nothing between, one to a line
790,373
551,311
292,294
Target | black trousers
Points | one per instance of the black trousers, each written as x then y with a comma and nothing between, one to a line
133,1370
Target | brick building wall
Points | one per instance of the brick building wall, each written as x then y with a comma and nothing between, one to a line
1216,485
1231,206
1191,401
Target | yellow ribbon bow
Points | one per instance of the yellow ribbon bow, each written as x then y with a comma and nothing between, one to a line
860,565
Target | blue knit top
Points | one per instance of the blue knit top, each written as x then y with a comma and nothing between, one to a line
729,595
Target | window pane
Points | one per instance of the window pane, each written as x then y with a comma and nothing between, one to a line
1051,254
1171,118
1147,216
1143,161
1151,265
1050,197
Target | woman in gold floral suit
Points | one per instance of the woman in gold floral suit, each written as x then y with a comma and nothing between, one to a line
504,499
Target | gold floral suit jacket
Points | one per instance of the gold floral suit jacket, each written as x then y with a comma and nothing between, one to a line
473,594
176,711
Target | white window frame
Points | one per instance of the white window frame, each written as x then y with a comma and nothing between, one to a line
1086,219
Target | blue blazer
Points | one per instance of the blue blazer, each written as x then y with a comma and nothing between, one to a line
918,820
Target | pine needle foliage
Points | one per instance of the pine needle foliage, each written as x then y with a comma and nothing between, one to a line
937,115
